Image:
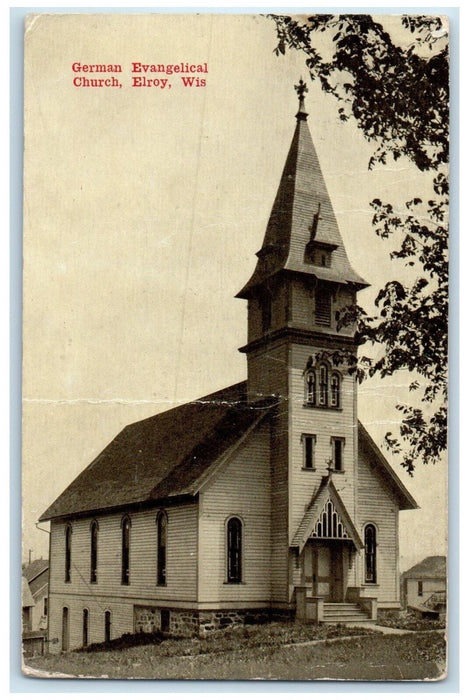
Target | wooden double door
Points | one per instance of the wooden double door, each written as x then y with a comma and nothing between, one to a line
324,569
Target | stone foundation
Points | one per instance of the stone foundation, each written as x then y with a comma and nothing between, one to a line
188,623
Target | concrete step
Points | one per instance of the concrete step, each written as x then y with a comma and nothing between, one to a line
336,613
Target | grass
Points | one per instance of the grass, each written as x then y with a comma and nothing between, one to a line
262,652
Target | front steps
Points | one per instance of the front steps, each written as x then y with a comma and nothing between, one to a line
339,613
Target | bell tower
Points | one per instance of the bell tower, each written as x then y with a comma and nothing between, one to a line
301,280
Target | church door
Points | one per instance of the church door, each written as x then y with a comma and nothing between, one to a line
327,570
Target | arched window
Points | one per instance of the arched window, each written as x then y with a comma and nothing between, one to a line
125,550
85,627
310,387
68,553
94,552
234,550
335,390
323,385
370,554
107,626
162,535
65,630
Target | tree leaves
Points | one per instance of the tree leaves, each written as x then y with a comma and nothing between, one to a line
399,98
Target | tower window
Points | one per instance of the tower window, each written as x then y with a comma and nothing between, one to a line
162,531
335,390
125,572
338,453
310,388
370,554
323,385
308,451
234,551
323,306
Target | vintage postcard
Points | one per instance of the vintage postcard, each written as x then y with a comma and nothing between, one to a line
235,346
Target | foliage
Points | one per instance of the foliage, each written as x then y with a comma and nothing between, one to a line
399,97
410,621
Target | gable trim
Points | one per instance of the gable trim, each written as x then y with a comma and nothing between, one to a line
309,524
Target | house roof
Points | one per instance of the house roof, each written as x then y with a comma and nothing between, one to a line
27,600
302,214
35,568
316,516
430,567
39,584
164,456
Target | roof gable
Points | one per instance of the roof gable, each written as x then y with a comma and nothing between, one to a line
367,445
326,518
162,456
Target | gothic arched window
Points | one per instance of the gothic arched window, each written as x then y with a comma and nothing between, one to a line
68,553
125,578
162,533
335,390
323,385
107,626
370,554
94,552
85,630
310,387
234,550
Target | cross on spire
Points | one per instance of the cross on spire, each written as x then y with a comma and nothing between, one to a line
301,90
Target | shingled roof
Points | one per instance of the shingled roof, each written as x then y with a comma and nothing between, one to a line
430,567
164,456
302,198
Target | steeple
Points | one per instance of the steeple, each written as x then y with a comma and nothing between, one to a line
302,234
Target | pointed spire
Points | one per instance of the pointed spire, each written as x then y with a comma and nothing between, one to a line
302,229
301,90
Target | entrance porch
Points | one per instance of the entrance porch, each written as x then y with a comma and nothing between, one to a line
326,544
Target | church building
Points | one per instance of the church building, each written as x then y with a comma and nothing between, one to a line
266,499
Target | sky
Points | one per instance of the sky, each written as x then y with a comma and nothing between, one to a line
143,210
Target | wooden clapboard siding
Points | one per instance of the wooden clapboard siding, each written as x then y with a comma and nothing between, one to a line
302,312
268,374
279,311
267,371
240,488
122,618
377,505
324,423
181,555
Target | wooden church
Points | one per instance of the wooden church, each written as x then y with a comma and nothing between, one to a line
264,499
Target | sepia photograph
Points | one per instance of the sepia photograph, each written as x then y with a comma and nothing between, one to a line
235,346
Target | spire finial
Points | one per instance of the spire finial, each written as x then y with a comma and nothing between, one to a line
301,90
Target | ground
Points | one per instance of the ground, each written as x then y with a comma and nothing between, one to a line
283,652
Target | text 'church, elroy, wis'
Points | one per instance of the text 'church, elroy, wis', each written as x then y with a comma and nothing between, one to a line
264,499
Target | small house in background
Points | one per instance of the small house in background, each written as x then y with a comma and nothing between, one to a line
37,576
424,587
27,602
